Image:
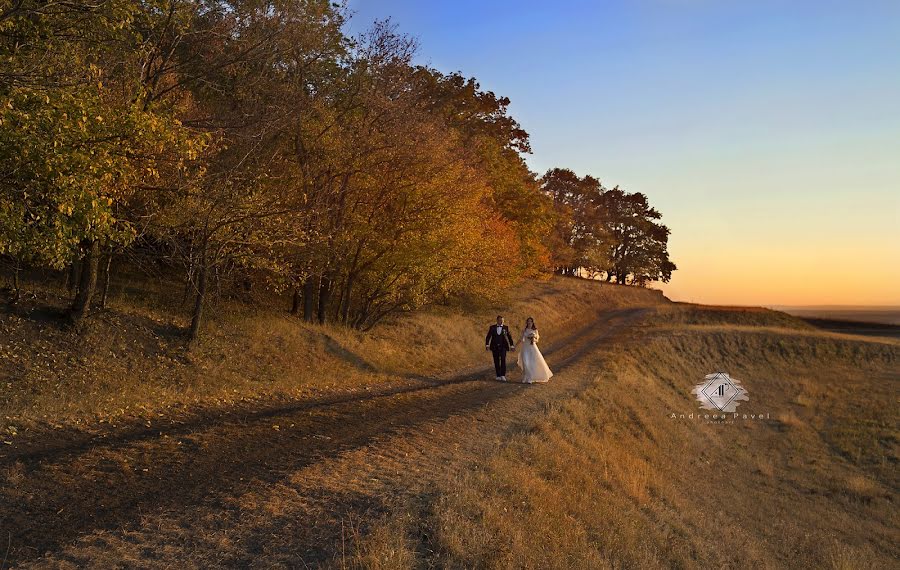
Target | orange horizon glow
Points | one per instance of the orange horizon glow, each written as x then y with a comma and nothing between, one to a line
709,277
766,133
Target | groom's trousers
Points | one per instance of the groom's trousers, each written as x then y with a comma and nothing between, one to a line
499,361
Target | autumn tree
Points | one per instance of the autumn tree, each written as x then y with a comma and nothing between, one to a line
581,221
402,220
77,137
495,143
638,245
607,232
252,141
248,65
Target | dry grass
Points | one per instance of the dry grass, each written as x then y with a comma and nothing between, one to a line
131,360
861,487
605,479
608,480
602,479
692,314
386,547
846,557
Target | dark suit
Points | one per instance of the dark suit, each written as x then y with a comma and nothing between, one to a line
499,344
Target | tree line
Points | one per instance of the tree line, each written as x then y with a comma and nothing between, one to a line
256,142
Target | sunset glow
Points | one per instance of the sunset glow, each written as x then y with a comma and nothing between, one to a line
767,133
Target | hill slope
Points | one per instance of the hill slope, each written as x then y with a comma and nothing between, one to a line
201,489
131,361
609,465
629,474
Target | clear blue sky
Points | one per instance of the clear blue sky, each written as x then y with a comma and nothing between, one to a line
767,132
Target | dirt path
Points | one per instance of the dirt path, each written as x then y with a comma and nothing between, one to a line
277,486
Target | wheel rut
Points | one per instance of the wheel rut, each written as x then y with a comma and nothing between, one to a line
55,491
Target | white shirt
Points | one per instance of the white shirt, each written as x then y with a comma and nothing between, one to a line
500,330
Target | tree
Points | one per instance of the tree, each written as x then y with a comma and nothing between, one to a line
76,141
401,219
581,221
607,231
253,142
495,143
638,245
249,209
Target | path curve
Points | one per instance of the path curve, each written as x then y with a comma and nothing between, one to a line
56,492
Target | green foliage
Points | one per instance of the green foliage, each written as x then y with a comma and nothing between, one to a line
73,149
255,141
71,162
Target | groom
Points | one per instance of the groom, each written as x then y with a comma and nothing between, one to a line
499,341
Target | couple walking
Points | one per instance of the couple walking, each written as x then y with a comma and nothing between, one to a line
499,341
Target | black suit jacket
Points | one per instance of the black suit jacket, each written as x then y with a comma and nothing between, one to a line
499,341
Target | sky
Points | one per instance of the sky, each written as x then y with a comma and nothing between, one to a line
766,132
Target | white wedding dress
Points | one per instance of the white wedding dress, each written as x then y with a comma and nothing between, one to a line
530,360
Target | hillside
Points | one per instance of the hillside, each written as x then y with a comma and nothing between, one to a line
629,474
131,360
280,444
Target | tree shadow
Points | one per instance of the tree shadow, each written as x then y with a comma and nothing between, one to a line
40,313
335,349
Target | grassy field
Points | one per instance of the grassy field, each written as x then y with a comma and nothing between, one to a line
609,466
131,360
616,478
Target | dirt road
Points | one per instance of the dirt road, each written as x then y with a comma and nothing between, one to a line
280,486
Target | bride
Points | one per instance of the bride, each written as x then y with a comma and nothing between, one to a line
530,360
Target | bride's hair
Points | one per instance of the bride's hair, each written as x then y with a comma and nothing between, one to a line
533,325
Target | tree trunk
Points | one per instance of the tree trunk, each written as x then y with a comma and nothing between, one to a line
72,277
338,308
324,298
295,301
309,299
188,284
87,282
345,302
17,285
198,303
104,291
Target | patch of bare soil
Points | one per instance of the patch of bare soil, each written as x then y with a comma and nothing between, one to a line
283,485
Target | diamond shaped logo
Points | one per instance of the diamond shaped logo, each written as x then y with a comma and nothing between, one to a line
719,391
